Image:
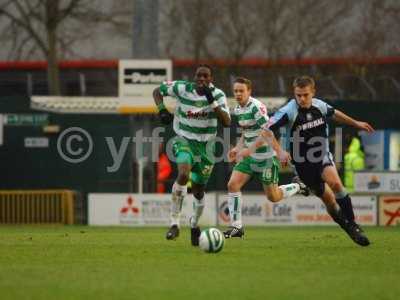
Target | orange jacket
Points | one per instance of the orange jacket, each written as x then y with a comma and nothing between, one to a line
164,168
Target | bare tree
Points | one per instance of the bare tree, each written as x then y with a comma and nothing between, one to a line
373,33
265,28
46,27
316,25
274,20
392,12
199,26
236,31
377,30
187,27
370,35
172,33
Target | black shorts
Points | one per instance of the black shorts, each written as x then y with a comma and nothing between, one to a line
311,174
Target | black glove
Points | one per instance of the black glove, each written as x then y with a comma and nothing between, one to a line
207,91
166,117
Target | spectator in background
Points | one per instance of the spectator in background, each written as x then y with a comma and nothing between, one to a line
164,170
353,161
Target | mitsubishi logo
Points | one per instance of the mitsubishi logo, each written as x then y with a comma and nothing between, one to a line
129,207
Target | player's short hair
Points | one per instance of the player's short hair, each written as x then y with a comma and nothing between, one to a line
245,81
303,81
206,66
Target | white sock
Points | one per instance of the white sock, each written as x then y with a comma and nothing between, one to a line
198,207
235,208
289,189
178,194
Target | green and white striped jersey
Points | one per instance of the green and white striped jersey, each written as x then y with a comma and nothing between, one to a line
252,118
194,118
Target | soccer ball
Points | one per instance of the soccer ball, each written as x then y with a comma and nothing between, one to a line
211,240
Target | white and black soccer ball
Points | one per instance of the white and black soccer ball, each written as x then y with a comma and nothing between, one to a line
211,240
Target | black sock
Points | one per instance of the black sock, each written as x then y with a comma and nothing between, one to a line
346,206
337,215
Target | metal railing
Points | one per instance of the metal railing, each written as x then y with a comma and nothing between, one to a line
105,83
36,207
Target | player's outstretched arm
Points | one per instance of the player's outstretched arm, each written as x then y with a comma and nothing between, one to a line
165,116
233,153
342,118
267,137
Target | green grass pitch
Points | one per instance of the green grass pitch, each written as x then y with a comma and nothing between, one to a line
61,262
